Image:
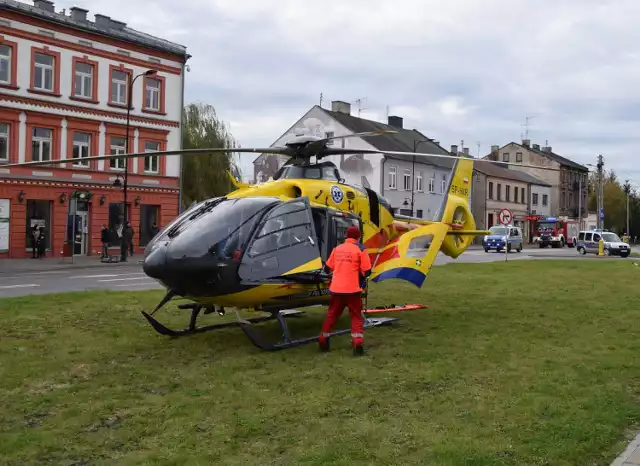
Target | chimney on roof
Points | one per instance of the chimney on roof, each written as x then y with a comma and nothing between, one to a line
526,142
341,107
103,21
46,5
466,151
395,121
437,143
494,152
79,14
454,149
547,149
536,146
118,24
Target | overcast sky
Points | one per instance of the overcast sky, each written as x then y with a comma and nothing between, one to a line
457,70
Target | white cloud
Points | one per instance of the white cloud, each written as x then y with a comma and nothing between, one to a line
460,69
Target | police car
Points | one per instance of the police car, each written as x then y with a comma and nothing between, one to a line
588,242
503,235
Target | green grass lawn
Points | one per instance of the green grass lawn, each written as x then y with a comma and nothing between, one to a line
523,363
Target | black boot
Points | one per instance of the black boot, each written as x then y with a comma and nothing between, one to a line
358,350
324,347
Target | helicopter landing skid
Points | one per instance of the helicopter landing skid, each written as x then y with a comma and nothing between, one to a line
288,342
195,312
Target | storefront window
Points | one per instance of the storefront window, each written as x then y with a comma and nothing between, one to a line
39,215
116,218
149,214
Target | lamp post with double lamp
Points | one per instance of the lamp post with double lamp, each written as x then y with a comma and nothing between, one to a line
123,246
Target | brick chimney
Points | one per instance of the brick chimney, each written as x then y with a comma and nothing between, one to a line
454,149
341,107
46,5
526,142
395,121
103,21
79,14
536,146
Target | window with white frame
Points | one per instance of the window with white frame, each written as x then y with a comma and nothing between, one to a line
392,177
5,64
330,134
118,87
152,94
81,149
151,162
407,180
84,81
118,146
41,144
43,72
443,183
432,184
419,186
4,142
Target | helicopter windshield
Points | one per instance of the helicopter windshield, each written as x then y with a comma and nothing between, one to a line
218,228
325,172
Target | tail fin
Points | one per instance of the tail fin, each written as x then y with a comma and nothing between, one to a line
455,211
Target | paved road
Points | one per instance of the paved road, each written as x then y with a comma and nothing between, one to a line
130,277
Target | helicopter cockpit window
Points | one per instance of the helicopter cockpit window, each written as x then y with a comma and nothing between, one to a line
286,225
311,173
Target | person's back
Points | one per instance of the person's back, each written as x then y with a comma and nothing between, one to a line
348,266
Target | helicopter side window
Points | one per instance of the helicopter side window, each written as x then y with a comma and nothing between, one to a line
286,226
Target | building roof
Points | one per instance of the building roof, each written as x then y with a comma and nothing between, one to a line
553,156
495,170
107,27
402,141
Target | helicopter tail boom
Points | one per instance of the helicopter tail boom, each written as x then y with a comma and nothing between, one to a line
410,255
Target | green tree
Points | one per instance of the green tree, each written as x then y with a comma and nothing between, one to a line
204,175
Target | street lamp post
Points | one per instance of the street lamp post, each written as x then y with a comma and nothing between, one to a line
123,247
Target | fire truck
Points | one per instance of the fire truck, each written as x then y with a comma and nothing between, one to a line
555,232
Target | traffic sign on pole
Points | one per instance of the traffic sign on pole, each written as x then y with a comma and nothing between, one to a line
505,217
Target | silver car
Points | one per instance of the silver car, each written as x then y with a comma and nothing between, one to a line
588,242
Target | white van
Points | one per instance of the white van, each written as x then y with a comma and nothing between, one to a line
613,246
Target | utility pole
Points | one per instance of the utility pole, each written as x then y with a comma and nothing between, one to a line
600,222
627,190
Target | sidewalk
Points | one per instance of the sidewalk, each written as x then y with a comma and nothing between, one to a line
57,263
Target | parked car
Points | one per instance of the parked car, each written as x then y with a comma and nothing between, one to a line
503,235
588,243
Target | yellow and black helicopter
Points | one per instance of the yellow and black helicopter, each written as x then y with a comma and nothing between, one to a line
263,247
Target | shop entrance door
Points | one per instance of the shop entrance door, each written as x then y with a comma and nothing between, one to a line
80,241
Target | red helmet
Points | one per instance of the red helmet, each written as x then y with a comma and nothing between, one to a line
353,232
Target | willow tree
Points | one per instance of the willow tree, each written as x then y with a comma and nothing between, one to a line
204,176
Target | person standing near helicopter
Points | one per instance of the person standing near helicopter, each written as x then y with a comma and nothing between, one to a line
349,263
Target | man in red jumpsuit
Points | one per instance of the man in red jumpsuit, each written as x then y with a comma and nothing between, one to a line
349,263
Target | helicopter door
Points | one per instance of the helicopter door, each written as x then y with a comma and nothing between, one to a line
286,244
338,229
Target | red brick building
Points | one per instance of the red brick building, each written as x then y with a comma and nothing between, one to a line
63,96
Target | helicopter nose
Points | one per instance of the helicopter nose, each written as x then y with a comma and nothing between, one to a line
155,262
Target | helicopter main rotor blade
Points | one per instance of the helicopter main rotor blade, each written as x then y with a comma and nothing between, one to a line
319,148
475,160
271,150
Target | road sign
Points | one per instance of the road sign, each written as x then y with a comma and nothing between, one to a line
505,217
